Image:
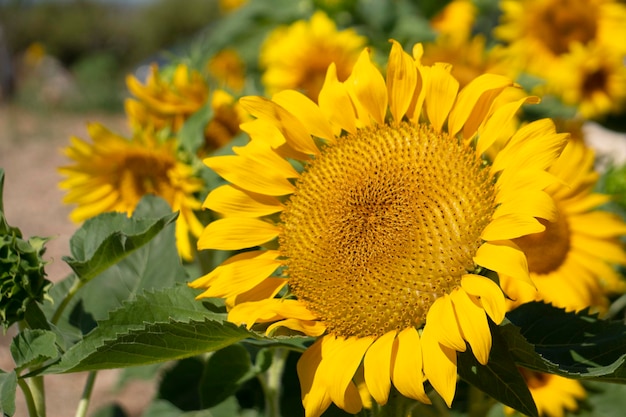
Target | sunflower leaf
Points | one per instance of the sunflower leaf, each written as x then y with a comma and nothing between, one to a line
159,326
500,377
32,347
575,345
8,388
104,240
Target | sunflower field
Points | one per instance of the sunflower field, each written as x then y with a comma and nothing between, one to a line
357,207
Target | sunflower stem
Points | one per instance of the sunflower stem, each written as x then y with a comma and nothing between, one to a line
83,405
271,382
28,397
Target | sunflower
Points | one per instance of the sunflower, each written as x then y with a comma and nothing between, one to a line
591,78
539,31
456,20
553,394
375,245
166,100
228,69
224,126
297,56
113,173
571,261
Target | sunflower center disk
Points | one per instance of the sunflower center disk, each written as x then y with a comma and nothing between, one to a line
144,173
546,251
565,22
383,223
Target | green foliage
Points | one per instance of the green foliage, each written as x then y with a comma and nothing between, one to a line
33,347
22,275
8,387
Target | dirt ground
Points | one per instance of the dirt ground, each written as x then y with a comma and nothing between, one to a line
30,152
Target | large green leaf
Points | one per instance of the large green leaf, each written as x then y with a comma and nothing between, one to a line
104,240
576,345
155,327
8,387
33,347
500,377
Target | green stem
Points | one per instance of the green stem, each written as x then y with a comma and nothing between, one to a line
28,396
77,285
83,405
271,383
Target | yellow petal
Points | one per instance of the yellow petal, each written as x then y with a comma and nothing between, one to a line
269,310
335,102
238,274
307,327
535,145
598,224
294,131
267,289
406,365
235,202
401,81
491,130
489,294
530,203
315,397
235,233
474,102
504,257
369,87
473,323
442,91
341,366
445,326
250,175
439,365
511,226
307,112
377,367
261,152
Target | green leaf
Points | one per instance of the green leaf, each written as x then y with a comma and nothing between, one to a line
603,400
163,408
8,387
225,371
33,347
191,134
576,345
500,377
109,237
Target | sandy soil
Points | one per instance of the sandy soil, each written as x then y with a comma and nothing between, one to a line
30,152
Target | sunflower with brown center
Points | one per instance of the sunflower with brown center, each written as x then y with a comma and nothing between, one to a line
375,244
114,173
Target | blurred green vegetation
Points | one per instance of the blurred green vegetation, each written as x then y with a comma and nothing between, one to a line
99,42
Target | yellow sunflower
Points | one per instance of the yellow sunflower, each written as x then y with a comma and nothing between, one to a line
456,20
572,261
297,56
224,126
538,31
113,173
375,246
553,394
228,69
592,78
165,100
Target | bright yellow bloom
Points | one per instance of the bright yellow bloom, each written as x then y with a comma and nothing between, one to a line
165,101
375,246
591,78
553,394
571,262
224,126
228,70
456,20
539,31
297,56
113,173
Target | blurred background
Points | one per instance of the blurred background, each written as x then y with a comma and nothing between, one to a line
74,54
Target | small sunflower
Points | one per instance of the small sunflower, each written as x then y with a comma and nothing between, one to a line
113,173
165,100
297,56
572,261
224,126
539,31
374,247
592,78
456,20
